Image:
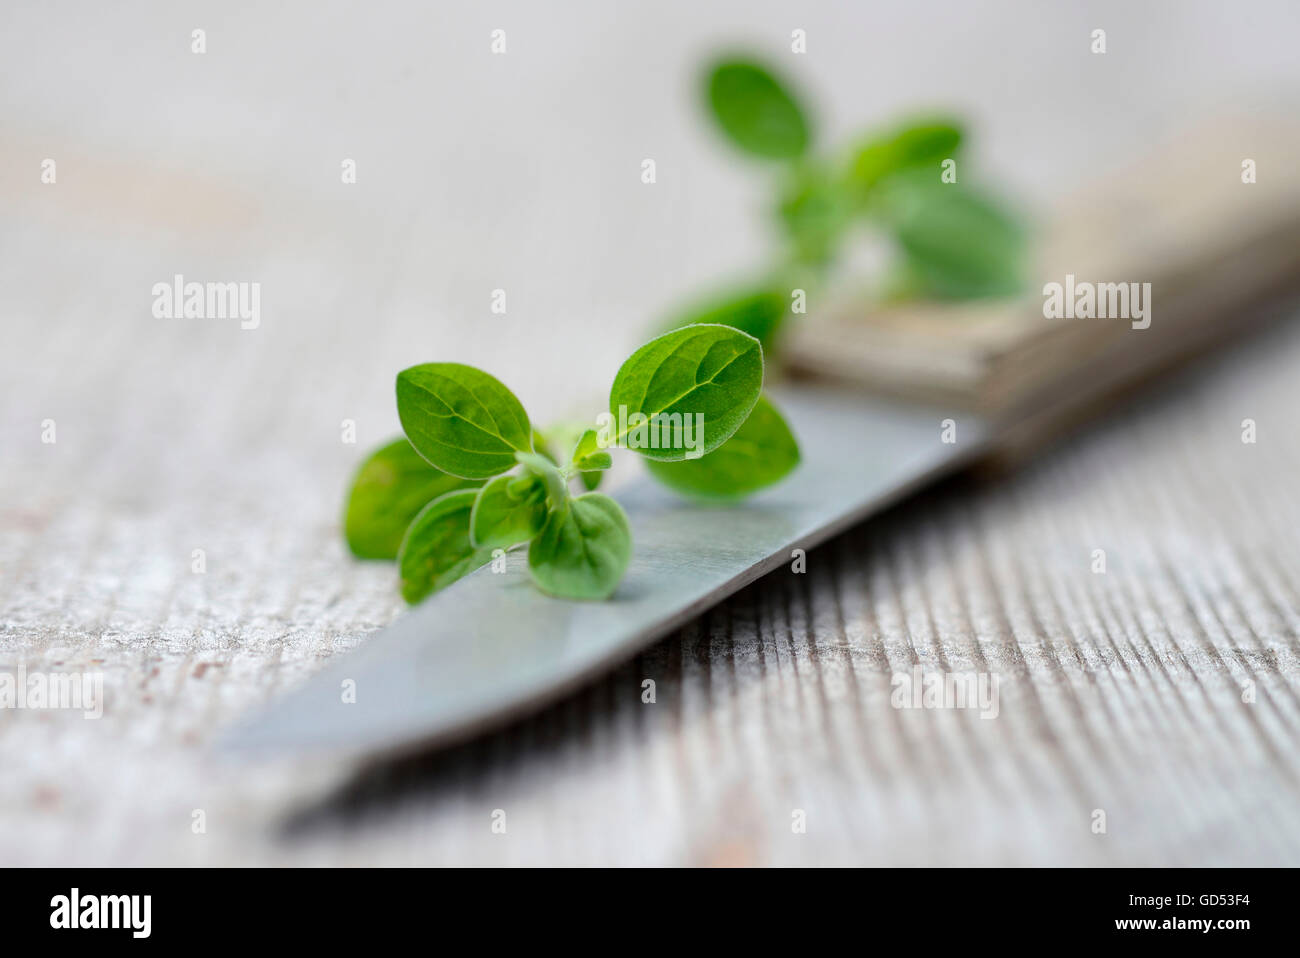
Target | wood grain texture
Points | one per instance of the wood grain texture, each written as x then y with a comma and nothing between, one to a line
1120,692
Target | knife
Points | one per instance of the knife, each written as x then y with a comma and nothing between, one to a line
992,380
492,648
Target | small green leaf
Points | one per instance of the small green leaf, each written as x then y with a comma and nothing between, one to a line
437,549
557,491
390,487
504,516
698,379
755,111
759,311
461,419
961,245
587,454
590,460
762,452
918,144
929,141
583,549
564,436
588,443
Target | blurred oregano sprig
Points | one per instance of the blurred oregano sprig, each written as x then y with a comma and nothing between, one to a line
473,479
952,240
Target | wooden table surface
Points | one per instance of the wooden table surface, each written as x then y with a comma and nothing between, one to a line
1120,692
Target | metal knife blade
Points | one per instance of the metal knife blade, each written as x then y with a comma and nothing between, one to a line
491,647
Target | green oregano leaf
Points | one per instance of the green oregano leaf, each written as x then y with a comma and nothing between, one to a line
759,311
590,460
583,550
587,444
684,393
587,454
923,143
391,486
461,419
504,516
762,451
755,111
958,243
437,549
561,437
557,491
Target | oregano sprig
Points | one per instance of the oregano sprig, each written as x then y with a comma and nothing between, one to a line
954,241
473,478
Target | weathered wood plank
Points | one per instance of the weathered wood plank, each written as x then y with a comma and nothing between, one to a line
1120,692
